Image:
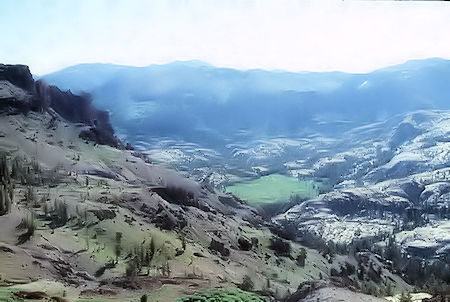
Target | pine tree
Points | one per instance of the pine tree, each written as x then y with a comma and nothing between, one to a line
4,172
118,249
2,201
301,257
152,249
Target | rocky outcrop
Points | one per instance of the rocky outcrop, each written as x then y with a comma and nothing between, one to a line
404,132
14,99
219,247
436,194
413,190
245,244
304,289
104,214
20,93
18,75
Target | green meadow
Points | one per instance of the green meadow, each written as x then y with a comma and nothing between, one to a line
226,295
273,188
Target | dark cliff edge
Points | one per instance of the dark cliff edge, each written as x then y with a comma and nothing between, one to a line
20,93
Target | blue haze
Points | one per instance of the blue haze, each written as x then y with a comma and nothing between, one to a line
197,102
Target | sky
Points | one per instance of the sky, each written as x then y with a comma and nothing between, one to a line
350,36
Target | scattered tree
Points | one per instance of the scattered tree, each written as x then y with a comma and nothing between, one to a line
29,225
301,257
118,247
280,246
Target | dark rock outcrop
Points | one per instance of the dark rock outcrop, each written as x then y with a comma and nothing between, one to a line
165,219
104,214
182,196
219,247
20,91
413,190
304,289
403,133
245,244
231,200
18,75
36,295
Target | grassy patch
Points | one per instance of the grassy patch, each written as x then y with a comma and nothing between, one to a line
273,188
228,295
91,300
6,295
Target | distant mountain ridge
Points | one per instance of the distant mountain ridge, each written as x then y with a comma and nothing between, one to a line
197,101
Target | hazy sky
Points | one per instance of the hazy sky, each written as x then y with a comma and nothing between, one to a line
315,35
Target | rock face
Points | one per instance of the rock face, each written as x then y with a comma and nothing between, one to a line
219,247
18,75
13,97
19,93
398,181
403,133
413,190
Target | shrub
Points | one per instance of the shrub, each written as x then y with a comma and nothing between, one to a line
349,268
60,215
334,272
280,246
244,244
118,247
5,200
29,225
247,284
30,197
150,252
231,294
4,171
183,242
360,272
132,269
369,288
